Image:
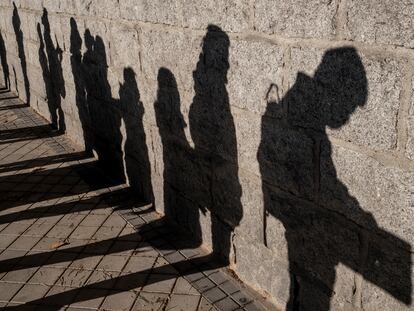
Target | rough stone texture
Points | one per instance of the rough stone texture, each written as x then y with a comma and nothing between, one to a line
231,16
410,131
386,266
303,19
388,22
277,154
360,187
373,122
260,64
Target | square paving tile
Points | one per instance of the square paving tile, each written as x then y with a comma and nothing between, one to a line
102,279
47,275
112,263
73,278
86,261
139,264
183,303
83,232
89,298
24,243
30,292
120,301
150,302
93,220
160,283
61,295
20,275
8,290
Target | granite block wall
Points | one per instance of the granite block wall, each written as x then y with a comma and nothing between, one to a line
279,133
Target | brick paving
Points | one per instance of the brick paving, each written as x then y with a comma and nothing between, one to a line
71,239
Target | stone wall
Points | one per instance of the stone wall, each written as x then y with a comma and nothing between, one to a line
280,133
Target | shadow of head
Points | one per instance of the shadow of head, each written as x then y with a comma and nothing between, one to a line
167,105
214,58
75,38
328,99
343,82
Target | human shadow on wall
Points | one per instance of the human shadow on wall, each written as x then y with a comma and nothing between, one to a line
100,119
20,50
101,115
204,177
215,145
137,164
178,158
295,157
4,63
50,59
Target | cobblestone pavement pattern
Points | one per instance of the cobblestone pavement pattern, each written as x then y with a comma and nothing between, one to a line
71,240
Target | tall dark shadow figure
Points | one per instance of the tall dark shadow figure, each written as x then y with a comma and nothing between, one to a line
178,157
20,48
50,59
294,149
213,132
80,87
137,164
104,117
4,63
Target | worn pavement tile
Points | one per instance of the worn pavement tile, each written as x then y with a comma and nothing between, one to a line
214,294
86,261
102,279
20,275
182,286
160,283
60,259
73,278
89,298
7,290
139,264
38,229
114,221
6,240
30,292
131,282
82,232
60,232
64,299
150,302
227,304
112,263
24,243
93,220
183,303
120,301
206,305
47,275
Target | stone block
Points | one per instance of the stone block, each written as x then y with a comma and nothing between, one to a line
316,242
286,158
254,67
373,195
367,96
388,280
257,265
410,142
388,22
230,16
159,12
303,19
124,45
251,225
410,127
175,51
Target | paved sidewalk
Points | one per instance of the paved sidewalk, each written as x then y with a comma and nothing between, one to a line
72,240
